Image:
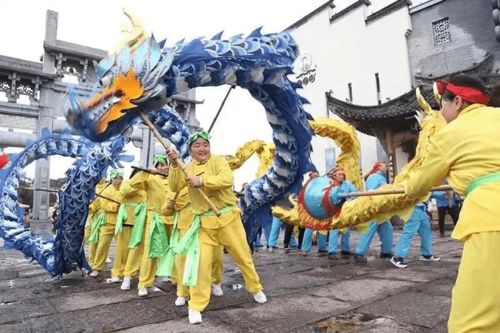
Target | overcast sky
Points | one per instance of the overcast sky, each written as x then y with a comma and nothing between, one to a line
97,24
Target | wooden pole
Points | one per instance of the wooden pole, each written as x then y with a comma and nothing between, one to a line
149,171
179,162
220,109
385,192
391,150
56,191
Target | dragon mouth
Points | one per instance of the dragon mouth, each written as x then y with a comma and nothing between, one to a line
110,104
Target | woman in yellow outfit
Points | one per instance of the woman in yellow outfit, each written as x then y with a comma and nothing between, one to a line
467,153
106,227
180,207
94,212
211,173
125,221
155,234
134,205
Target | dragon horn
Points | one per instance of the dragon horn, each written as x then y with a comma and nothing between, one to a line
134,37
422,102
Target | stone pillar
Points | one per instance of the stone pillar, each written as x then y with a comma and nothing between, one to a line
147,150
41,223
13,95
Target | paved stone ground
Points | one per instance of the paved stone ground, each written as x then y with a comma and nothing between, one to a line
305,294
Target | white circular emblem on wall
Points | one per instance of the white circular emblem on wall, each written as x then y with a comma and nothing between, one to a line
306,62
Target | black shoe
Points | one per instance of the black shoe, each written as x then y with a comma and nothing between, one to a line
360,259
398,262
322,253
332,256
441,235
286,250
345,253
385,255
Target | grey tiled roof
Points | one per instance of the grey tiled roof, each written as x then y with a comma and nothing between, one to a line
397,114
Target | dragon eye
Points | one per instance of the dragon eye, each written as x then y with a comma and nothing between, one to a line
105,81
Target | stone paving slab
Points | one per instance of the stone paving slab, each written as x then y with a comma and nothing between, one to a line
362,290
85,300
23,309
413,308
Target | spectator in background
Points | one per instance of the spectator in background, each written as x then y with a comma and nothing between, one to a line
447,202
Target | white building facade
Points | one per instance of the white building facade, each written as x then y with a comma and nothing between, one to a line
357,51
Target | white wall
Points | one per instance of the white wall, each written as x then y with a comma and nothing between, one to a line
350,51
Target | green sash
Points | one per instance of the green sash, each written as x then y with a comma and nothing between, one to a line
166,264
138,230
122,215
99,221
190,246
490,178
158,239
120,218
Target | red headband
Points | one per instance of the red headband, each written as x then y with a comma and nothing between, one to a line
468,94
374,169
4,159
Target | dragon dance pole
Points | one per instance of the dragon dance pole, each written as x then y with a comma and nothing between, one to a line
179,162
385,192
149,171
56,191
220,108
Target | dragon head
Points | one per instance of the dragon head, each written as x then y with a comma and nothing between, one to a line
130,81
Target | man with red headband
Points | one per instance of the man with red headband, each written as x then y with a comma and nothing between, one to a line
375,178
467,153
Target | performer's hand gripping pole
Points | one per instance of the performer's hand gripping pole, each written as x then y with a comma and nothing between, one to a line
179,162
385,192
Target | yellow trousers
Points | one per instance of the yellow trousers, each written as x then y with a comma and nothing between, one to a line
134,260
231,236
122,251
91,255
86,233
92,246
218,265
217,268
147,271
475,303
106,234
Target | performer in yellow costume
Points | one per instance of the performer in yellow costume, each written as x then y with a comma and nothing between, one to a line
155,233
94,212
135,214
106,227
125,222
467,153
212,174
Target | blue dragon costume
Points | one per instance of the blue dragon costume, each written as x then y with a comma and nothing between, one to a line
140,76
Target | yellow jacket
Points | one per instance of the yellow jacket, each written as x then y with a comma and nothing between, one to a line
183,207
156,189
217,179
95,205
131,198
110,207
464,150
